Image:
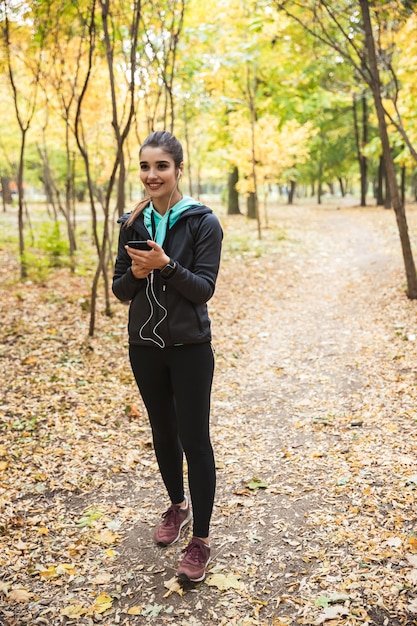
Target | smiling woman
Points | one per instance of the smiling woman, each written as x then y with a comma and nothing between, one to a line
160,175
169,329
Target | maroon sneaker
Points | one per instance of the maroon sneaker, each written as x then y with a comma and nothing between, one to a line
173,520
193,565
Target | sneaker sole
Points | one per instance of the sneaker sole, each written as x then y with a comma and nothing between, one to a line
184,523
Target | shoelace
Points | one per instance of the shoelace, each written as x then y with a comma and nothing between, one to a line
196,552
171,516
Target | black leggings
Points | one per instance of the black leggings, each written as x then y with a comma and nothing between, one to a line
175,384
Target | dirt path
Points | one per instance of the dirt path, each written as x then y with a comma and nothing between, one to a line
314,432
323,371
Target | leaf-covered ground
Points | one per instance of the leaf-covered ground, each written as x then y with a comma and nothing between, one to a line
313,423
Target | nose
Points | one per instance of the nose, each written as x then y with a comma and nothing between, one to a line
152,173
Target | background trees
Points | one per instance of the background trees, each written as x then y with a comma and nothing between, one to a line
269,98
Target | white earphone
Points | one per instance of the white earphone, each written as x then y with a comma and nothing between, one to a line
179,173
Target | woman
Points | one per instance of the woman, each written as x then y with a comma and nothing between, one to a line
168,286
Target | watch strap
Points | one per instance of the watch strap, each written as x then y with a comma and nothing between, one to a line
169,269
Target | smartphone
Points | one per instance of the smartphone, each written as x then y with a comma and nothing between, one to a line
139,245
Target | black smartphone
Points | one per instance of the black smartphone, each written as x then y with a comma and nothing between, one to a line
139,245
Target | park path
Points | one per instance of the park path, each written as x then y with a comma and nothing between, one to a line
324,358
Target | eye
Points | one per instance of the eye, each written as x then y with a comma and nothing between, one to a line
163,166
144,167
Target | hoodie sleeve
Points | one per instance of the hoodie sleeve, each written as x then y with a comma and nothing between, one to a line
125,286
198,286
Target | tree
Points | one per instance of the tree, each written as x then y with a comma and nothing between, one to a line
22,38
376,86
233,195
162,26
347,28
62,81
361,139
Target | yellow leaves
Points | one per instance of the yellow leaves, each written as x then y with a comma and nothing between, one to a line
56,571
30,360
110,553
3,466
277,148
224,581
73,611
135,610
106,537
412,544
102,603
50,572
173,586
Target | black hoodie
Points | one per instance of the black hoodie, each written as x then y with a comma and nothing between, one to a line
168,312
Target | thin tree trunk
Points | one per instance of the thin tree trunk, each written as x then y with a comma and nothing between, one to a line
20,190
398,207
360,156
233,195
380,182
6,193
291,192
251,206
403,181
251,97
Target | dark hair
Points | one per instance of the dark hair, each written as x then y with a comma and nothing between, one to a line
167,142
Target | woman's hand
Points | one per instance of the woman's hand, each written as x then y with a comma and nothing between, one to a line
144,261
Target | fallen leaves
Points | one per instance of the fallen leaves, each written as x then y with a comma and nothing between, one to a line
313,430
19,595
73,611
224,582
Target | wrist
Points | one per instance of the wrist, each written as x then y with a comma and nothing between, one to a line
165,263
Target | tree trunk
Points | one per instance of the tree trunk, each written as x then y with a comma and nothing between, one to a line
375,84
6,192
23,262
364,160
251,87
291,192
380,183
387,201
361,158
233,195
251,206
403,181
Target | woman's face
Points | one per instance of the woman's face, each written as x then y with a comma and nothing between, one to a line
158,173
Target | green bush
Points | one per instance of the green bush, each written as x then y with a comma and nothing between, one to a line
56,248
